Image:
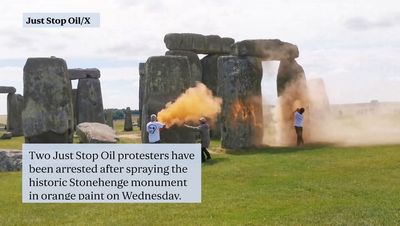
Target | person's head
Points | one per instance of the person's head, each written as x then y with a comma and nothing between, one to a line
301,110
203,120
153,117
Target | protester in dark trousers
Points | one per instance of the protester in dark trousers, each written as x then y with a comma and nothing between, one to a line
298,125
204,130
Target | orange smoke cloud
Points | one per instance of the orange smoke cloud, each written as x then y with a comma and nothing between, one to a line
196,102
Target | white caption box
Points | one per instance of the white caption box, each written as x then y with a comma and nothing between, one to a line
111,173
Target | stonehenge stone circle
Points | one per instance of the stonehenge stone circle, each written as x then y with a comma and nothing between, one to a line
89,102
197,43
79,73
128,119
7,89
240,87
15,105
47,116
166,79
233,72
194,62
266,49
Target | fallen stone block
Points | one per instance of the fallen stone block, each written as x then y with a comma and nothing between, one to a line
93,132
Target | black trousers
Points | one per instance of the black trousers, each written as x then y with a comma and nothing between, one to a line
299,133
205,154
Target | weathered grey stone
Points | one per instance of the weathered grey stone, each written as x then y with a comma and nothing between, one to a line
267,49
240,87
141,68
198,43
7,89
210,79
93,132
10,161
292,93
79,73
227,44
15,105
128,119
194,62
6,136
47,116
289,72
319,110
89,101
142,80
166,79
109,118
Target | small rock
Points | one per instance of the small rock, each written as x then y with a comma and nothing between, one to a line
6,136
10,161
93,132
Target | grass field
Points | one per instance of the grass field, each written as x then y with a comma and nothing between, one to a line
273,186
313,185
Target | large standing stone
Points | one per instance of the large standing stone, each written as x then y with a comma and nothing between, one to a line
319,101
15,105
47,116
166,79
319,126
210,79
197,43
93,132
7,89
292,94
79,73
142,80
267,49
89,101
240,88
194,62
128,119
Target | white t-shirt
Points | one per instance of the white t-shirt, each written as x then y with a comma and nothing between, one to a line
298,119
153,128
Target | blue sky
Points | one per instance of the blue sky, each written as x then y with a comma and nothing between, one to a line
353,45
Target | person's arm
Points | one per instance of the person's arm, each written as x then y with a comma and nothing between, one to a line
192,127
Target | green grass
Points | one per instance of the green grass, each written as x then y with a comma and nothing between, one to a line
13,143
313,185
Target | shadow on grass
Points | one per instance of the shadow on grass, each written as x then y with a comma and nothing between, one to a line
278,150
214,161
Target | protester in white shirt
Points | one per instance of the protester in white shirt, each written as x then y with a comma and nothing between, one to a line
153,128
298,125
